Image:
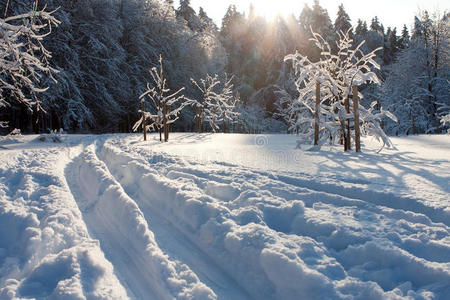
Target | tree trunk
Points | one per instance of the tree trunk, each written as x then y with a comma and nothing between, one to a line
348,145
168,124
436,116
356,114
198,121
343,137
214,121
35,117
165,122
144,125
435,75
316,115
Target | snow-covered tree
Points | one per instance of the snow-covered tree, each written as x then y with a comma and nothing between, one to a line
404,39
23,58
444,112
165,106
317,20
417,86
333,78
207,24
361,28
342,22
252,119
218,104
187,14
226,104
206,86
404,92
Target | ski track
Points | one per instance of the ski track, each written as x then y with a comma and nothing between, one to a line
173,242
144,279
229,186
37,252
176,228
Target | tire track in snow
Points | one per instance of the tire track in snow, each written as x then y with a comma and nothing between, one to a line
115,219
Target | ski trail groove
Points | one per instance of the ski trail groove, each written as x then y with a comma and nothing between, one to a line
173,242
117,222
352,219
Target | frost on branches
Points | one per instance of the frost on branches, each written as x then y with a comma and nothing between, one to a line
206,87
216,107
224,106
332,78
163,103
23,58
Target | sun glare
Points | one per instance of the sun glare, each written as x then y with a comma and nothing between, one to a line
270,9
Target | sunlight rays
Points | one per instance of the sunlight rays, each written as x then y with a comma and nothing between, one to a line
270,9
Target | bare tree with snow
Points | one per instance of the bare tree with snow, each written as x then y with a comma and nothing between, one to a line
226,104
206,87
218,105
166,105
331,80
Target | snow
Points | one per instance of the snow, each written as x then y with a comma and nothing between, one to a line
223,216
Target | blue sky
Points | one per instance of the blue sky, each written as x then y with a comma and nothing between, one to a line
393,13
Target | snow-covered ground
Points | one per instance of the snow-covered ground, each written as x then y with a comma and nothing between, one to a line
223,216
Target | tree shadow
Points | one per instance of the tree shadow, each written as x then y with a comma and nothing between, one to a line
378,164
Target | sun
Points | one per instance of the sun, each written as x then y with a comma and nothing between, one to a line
270,9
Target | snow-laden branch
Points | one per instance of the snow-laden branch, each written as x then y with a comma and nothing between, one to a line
167,106
218,104
336,74
23,58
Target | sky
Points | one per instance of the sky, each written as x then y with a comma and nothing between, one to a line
393,13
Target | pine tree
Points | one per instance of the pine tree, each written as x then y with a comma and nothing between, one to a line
432,36
404,39
242,39
361,29
305,19
342,22
231,21
187,14
376,25
207,24
321,22
317,20
393,41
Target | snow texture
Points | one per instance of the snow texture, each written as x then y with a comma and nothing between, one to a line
223,217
